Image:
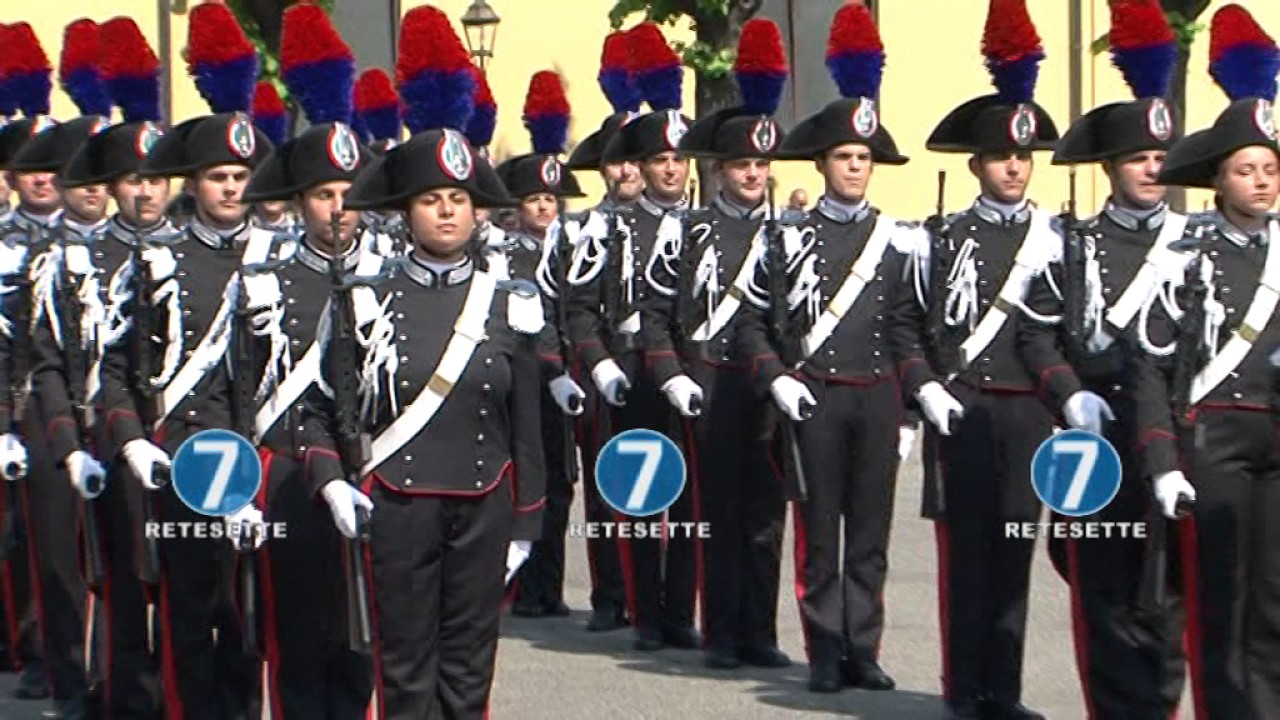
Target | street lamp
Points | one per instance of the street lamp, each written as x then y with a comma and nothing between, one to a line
481,25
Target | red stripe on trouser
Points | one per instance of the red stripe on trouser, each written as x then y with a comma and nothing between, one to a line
1079,624
1189,547
33,574
375,710
266,580
691,449
942,539
799,554
168,670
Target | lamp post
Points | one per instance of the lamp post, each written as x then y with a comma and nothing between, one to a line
480,23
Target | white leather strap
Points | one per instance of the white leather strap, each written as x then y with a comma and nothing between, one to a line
861,273
289,390
468,332
1255,321
728,307
1122,312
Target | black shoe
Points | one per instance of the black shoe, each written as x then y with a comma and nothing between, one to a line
528,609
31,684
964,710
824,678
558,609
866,674
604,619
648,640
721,657
765,656
685,638
1009,711
68,709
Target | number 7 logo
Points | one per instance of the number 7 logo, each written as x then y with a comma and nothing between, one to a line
228,451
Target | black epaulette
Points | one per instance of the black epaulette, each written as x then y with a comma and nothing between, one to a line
1199,232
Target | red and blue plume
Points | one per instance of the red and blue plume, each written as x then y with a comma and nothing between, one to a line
317,66
269,113
377,105
1143,47
130,70
26,71
855,54
8,103
1243,59
221,59
1012,50
433,72
657,67
616,79
761,67
78,68
485,118
546,113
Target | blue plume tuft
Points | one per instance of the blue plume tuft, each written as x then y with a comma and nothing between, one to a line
620,89
761,92
483,122
548,133
360,129
662,87
323,89
138,98
227,87
857,74
84,85
383,123
32,92
1147,70
1247,71
438,99
1016,81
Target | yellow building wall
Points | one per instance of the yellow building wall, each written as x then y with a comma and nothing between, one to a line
933,64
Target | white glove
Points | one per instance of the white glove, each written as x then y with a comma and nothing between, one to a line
611,382
143,457
517,552
343,499
939,406
906,439
87,475
1169,487
684,395
1085,410
160,262
13,457
788,393
245,528
567,394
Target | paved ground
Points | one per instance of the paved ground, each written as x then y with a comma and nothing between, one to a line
553,668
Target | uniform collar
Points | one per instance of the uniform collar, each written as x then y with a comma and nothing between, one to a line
219,239
117,228
657,210
1235,235
319,261
842,212
1001,214
83,233
27,220
434,274
1135,220
731,209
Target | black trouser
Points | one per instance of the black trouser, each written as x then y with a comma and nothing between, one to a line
541,579
984,576
743,504
1128,647
437,577
52,512
662,581
312,672
202,677
1235,469
850,451
608,588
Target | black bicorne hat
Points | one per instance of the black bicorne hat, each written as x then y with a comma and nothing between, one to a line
199,143
589,153
53,147
427,161
18,133
113,153
1244,62
535,174
322,154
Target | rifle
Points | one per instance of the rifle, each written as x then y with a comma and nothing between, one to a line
341,358
1073,272
614,304
788,347
142,384
243,408
76,369
942,345
567,353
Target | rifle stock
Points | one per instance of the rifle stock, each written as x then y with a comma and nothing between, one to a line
1074,274
144,390
945,354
